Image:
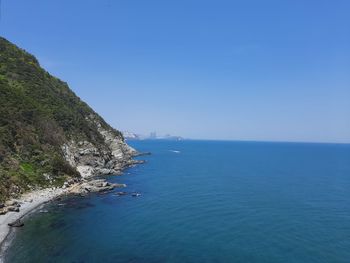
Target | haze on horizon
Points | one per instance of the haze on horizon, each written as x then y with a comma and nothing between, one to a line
240,70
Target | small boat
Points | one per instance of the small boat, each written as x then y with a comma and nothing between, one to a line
135,194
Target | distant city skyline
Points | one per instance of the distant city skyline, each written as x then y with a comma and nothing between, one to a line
229,70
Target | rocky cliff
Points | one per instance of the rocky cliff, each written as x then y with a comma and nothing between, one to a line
47,134
90,160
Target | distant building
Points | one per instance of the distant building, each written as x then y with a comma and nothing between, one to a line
153,135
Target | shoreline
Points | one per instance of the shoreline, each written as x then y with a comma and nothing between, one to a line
29,202
32,200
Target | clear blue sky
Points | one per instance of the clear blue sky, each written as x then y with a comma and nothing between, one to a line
244,70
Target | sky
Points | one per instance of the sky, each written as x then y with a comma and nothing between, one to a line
272,70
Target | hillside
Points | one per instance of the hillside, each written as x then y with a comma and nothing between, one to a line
47,134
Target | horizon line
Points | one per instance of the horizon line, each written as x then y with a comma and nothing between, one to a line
243,140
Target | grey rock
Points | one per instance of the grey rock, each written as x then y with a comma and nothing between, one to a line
3,211
11,203
17,223
12,209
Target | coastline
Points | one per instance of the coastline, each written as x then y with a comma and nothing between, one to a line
34,199
29,202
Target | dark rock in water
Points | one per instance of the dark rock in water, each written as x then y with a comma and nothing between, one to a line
17,223
105,192
119,185
138,162
121,193
135,194
143,154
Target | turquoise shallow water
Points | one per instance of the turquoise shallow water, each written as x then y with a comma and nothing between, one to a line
212,202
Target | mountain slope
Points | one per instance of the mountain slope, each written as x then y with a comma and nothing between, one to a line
47,134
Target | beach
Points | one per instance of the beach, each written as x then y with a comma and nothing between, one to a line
34,199
28,202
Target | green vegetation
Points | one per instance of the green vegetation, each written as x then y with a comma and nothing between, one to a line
38,113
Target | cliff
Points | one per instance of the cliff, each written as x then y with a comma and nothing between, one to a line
47,134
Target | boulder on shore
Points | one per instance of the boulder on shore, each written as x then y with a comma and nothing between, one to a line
96,186
12,203
17,223
12,208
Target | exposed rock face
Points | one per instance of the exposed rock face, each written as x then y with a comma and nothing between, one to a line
93,186
90,160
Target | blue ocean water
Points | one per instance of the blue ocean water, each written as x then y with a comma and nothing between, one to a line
206,201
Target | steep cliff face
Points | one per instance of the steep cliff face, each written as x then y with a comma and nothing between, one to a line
90,161
47,134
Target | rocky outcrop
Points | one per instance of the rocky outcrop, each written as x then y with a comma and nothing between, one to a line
17,223
9,206
90,160
93,186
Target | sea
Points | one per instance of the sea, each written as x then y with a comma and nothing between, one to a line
204,201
